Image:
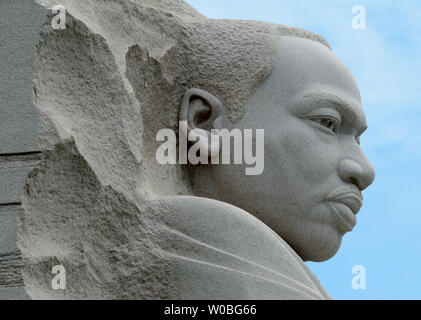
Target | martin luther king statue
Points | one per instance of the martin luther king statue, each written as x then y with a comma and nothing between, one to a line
126,226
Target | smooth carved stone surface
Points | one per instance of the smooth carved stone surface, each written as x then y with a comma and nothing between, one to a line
12,182
20,23
13,172
8,228
13,293
126,227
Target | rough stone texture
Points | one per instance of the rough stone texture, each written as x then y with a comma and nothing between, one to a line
105,241
97,202
10,269
10,256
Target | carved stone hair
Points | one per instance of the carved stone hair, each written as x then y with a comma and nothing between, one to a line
228,58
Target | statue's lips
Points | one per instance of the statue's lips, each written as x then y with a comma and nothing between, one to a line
345,218
349,196
346,202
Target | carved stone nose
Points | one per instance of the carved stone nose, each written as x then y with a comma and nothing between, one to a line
360,173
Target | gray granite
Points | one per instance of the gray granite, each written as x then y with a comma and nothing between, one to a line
11,185
8,232
13,293
127,227
13,172
20,23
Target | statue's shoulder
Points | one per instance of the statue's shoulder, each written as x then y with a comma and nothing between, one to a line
230,247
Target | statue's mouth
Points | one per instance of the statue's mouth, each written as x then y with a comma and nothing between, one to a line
349,196
345,218
345,202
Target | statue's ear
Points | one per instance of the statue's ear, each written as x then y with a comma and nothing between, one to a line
202,110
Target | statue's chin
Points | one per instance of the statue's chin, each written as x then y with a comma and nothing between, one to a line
320,246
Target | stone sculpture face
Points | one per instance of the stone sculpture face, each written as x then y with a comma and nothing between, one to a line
98,201
315,170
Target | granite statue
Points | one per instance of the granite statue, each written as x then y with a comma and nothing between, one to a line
127,227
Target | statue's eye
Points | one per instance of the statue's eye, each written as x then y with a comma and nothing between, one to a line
329,123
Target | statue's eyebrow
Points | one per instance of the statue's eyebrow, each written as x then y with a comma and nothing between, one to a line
353,117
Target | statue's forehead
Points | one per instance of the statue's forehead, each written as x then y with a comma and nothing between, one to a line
305,65
308,74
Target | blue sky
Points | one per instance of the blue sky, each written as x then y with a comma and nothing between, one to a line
385,59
